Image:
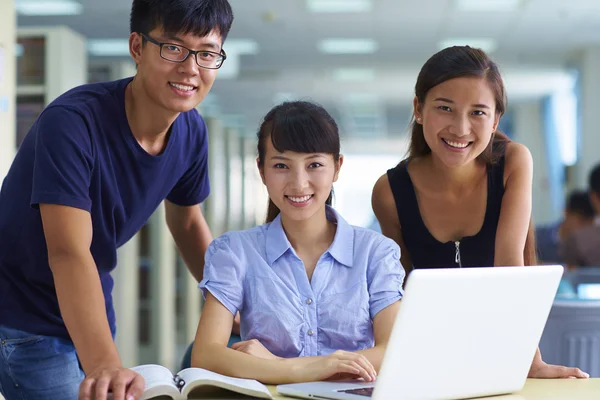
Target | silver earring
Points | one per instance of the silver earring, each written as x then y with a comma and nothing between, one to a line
419,119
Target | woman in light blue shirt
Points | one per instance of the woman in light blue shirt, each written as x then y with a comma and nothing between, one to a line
317,297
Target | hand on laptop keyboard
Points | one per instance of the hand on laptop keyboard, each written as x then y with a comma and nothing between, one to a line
338,365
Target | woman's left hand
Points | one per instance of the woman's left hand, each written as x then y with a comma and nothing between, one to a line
539,369
255,348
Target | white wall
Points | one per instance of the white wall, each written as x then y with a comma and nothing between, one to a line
8,22
528,130
589,154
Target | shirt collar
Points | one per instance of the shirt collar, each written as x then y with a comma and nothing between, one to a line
276,241
597,220
342,248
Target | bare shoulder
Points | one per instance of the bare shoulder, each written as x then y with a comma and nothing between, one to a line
518,156
518,160
382,198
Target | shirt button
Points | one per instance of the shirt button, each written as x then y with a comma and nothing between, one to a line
310,332
309,301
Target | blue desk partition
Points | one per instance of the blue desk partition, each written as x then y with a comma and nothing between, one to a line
572,335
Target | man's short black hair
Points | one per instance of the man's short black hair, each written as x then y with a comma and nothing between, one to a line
579,203
199,17
594,182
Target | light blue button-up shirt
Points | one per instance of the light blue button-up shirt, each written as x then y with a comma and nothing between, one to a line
258,273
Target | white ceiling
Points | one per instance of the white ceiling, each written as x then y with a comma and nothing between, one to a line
535,45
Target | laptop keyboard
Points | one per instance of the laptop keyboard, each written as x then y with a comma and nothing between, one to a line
367,392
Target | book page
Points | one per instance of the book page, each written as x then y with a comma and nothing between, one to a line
196,377
159,382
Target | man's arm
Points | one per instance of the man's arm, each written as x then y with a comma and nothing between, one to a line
68,233
191,233
192,237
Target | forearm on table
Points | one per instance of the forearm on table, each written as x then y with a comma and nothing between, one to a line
83,309
223,360
538,357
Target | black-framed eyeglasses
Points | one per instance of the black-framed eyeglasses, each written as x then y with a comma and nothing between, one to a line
178,53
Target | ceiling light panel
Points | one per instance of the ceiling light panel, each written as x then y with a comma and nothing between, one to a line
348,46
241,46
48,7
338,6
108,47
354,74
488,5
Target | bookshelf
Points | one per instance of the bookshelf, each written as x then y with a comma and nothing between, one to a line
50,61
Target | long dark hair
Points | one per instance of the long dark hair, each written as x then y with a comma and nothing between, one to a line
457,62
301,127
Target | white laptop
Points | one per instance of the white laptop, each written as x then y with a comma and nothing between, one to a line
460,333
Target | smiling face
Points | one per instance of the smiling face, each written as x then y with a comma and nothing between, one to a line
175,87
458,118
298,183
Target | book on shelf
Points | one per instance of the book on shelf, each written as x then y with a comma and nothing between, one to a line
192,383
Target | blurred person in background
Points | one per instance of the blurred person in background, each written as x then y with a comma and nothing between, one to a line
578,213
582,247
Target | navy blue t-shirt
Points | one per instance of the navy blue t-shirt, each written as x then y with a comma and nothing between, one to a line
81,153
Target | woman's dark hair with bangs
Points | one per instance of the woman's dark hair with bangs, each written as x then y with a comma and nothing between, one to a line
458,62
301,127
199,17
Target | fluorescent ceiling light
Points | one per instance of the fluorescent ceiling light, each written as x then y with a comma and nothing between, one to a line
338,6
348,46
108,47
240,46
487,5
47,7
485,44
354,74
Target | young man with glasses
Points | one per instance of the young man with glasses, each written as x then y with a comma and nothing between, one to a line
93,168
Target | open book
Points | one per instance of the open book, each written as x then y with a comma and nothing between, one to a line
162,384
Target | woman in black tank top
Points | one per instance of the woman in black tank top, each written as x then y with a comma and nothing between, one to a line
462,198
448,204
428,252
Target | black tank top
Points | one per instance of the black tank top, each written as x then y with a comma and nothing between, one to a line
425,250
